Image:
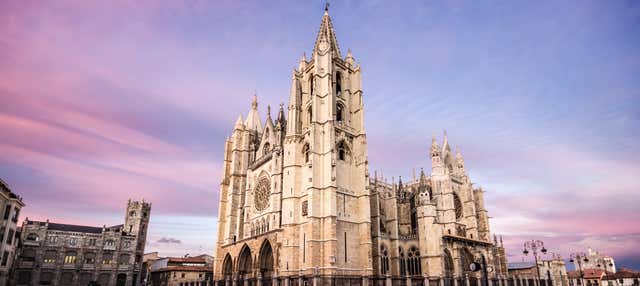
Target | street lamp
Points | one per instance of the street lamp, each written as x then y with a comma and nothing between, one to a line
534,245
579,257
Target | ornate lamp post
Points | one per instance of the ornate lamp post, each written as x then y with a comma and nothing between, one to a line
579,257
533,246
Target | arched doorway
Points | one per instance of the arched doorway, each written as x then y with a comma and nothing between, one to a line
266,259
466,258
266,263
227,268
245,263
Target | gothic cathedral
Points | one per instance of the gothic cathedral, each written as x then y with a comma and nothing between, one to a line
298,207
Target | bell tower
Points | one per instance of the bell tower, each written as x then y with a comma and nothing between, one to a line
325,169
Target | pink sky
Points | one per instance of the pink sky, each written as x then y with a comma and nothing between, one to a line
102,102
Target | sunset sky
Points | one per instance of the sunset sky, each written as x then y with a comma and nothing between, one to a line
102,101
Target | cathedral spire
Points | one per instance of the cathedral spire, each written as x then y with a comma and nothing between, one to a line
435,149
326,39
253,119
239,124
445,144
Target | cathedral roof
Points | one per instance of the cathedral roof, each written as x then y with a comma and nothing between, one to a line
74,228
326,33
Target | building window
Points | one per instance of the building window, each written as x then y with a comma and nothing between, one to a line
50,256
339,111
7,211
305,208
305,151
342,151
338,83
384,259
52,239
5,258
10,236
311,83
457,205
310,113
16,213
73,241
91,242
107,258
402,262
28,254
70,257
265,149
110,243
32,237
90,258
413,261
2,231
182,275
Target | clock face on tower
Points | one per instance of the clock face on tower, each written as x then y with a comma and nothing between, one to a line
261,193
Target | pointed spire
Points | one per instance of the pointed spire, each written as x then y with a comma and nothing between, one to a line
435,149
253,119
445,143
349,59
303,62
280,118
326,36
254,102
459,160
239,124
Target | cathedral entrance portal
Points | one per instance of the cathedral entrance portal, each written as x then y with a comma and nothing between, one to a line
244,264
266,263
227,269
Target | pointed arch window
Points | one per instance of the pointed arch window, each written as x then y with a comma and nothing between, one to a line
310,113
343,152
338,83
339,112
403,270
384,259
457,205
413,261
305,152
311,83
266,149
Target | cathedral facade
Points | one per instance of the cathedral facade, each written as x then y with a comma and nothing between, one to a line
298,205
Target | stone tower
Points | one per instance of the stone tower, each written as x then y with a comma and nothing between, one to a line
137,222
325,186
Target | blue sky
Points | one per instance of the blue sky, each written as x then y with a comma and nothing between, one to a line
106,101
